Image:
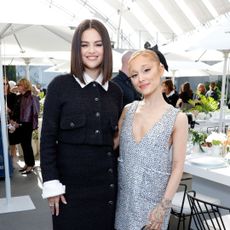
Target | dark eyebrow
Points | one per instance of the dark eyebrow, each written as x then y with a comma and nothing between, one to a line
94,42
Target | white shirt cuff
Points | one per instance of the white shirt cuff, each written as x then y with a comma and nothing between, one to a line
52,188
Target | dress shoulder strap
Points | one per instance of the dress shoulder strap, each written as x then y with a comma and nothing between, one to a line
133,106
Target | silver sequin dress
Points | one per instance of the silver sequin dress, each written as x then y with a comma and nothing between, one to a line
144,169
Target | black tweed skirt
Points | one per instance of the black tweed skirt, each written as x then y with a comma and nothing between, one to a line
90,176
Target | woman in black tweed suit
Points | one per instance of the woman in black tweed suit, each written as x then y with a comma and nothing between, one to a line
80,118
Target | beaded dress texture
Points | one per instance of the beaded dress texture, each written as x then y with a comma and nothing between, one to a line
144,169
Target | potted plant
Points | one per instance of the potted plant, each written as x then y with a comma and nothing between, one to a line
204,105
35,142
198,138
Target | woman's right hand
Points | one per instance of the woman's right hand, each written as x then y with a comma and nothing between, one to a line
54,203
14,123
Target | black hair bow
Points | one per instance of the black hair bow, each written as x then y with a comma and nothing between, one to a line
159,54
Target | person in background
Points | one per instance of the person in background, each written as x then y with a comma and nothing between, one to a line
12,115
12,84
169,93
185,95
28,121
15,90
35,90
123,81
80,118
212,91
148,175
200,90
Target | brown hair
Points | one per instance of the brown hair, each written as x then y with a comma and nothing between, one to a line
212,85
77,67
169,84
26,84
7,82
186,88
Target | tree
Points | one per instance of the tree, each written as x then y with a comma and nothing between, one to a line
10,72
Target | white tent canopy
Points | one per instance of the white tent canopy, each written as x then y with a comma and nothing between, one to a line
182,66
34,42
130,23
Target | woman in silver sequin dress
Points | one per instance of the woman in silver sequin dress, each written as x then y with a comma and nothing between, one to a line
149,172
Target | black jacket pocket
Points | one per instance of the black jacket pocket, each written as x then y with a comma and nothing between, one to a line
73,129
74,122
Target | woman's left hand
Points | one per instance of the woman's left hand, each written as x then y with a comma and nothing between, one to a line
156,218
54,203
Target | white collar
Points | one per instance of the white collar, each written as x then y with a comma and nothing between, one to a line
171,93
88,80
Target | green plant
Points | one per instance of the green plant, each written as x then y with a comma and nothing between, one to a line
35,134
198,138
41,101
41,109
204,104
41,95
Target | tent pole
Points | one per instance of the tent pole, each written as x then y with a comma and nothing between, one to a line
27,62
221,118
173,75
4,134
9,203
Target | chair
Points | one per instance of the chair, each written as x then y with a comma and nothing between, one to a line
181,207
208,215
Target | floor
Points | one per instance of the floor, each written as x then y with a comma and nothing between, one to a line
21,185
39,218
